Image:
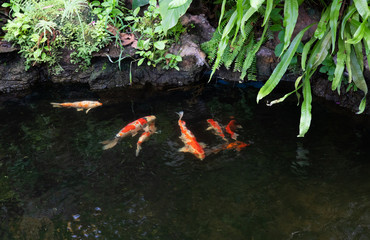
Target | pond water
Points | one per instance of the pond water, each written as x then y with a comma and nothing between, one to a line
56,182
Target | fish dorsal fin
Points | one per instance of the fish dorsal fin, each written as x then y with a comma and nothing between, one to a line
184,149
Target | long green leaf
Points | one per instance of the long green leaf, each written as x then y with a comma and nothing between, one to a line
341,57
359,80
362,8
357,46
230,25
321,52
359,34
290,19
306,116
281,68
256,4
367,41
322,25
245,18
348,50
358,77
351,10
269,4
334,15
222,12
239,11
305,52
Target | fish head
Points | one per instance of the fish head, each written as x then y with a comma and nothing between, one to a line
150,118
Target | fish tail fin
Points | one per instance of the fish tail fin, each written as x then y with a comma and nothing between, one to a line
181,114
235,136
138,150
109,143
58,105
209,128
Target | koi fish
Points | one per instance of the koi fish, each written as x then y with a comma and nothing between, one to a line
132,128
188,138
144,137
231,127
237,145
80,106
215,126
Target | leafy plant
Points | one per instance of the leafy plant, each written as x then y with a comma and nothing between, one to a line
43,28
328,67
153,44
342,34
235,38
171,11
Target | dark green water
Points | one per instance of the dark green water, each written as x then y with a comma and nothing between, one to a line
57,183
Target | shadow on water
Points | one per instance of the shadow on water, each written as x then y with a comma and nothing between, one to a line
57,183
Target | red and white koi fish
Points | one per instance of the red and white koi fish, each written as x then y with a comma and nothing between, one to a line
215,126
231,127
188,138
144,137
132,128
80,106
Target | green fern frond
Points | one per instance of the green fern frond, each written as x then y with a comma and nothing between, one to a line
243,52
210,47
252,71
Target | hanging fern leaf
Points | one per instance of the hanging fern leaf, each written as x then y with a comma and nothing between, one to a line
242,54
210,47
229,58
252,71
252,54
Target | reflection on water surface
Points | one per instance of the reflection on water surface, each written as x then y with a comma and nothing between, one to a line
57,183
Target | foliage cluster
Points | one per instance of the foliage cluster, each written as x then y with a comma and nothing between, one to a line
43,28
343,31
153,42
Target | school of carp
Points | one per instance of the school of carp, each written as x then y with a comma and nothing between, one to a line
146,125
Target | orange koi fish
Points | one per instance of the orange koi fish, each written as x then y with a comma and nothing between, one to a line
237,145
144,137
213,125
188,138
231,127
132,128
80,106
